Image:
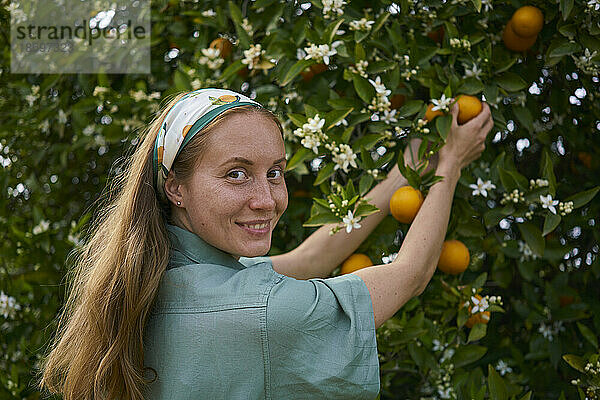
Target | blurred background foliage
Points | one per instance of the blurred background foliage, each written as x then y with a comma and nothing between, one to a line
63,136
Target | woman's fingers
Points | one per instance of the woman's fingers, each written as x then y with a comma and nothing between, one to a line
454,112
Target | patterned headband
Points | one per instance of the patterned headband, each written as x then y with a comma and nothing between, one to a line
187,117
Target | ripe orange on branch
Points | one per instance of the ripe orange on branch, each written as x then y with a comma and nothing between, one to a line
437,35
223,45
313,70
514,42
527,21
430,114
405,204
521,31
355,262
455,257
398,99
482,317
468,108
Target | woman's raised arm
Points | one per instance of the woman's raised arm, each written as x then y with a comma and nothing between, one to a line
320,253
392,285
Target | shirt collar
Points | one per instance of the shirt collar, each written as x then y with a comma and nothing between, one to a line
198,250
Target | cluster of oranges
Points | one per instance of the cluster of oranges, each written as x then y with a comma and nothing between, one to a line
521,31
404,206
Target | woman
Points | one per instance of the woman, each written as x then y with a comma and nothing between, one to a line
172,287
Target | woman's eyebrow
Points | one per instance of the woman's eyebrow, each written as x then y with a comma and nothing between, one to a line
248,162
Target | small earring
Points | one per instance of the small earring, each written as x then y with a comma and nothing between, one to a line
178,203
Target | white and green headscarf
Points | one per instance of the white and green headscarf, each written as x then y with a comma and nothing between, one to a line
187,117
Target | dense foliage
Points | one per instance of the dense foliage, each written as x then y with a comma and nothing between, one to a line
351,82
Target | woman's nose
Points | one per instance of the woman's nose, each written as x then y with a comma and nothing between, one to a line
262,196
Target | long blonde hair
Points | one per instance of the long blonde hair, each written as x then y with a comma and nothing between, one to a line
97,352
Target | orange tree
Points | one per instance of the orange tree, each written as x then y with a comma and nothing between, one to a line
352,81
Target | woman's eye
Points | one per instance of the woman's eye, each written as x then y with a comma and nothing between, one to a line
237,175
276,173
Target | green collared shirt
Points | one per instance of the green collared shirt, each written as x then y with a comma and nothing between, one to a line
227,329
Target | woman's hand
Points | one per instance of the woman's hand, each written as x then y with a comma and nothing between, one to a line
466,142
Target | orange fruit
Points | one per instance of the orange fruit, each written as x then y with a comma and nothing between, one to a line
307,75
514,42
243,72
430,115
454,258
585,158
479,318
566,300
468,108
437,35
301,193
355,262
318,68
527,21
223,45
397,101
405,204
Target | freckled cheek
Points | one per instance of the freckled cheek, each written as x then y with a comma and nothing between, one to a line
282,200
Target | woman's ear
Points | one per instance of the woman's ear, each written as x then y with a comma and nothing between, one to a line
173,190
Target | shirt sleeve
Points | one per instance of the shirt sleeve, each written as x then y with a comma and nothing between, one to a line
321,335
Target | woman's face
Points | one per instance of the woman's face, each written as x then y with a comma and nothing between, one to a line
237,193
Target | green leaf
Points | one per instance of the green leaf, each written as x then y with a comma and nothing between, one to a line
363,88
293,72
359,53
310,111
298,119
365,184
471,86
527,396
335,116
443,123
479,281
511,82
379,22
298,158
359,36
182,81
565,8
378,67
524,117
547,171
321,219
365,209
507,180
496,385
331,30
235,13
570,31
533,237
550,223
588,334
368,141
575,361
468,354
506,64
582,198
478,331
324,173
409,108
564,49
232,69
